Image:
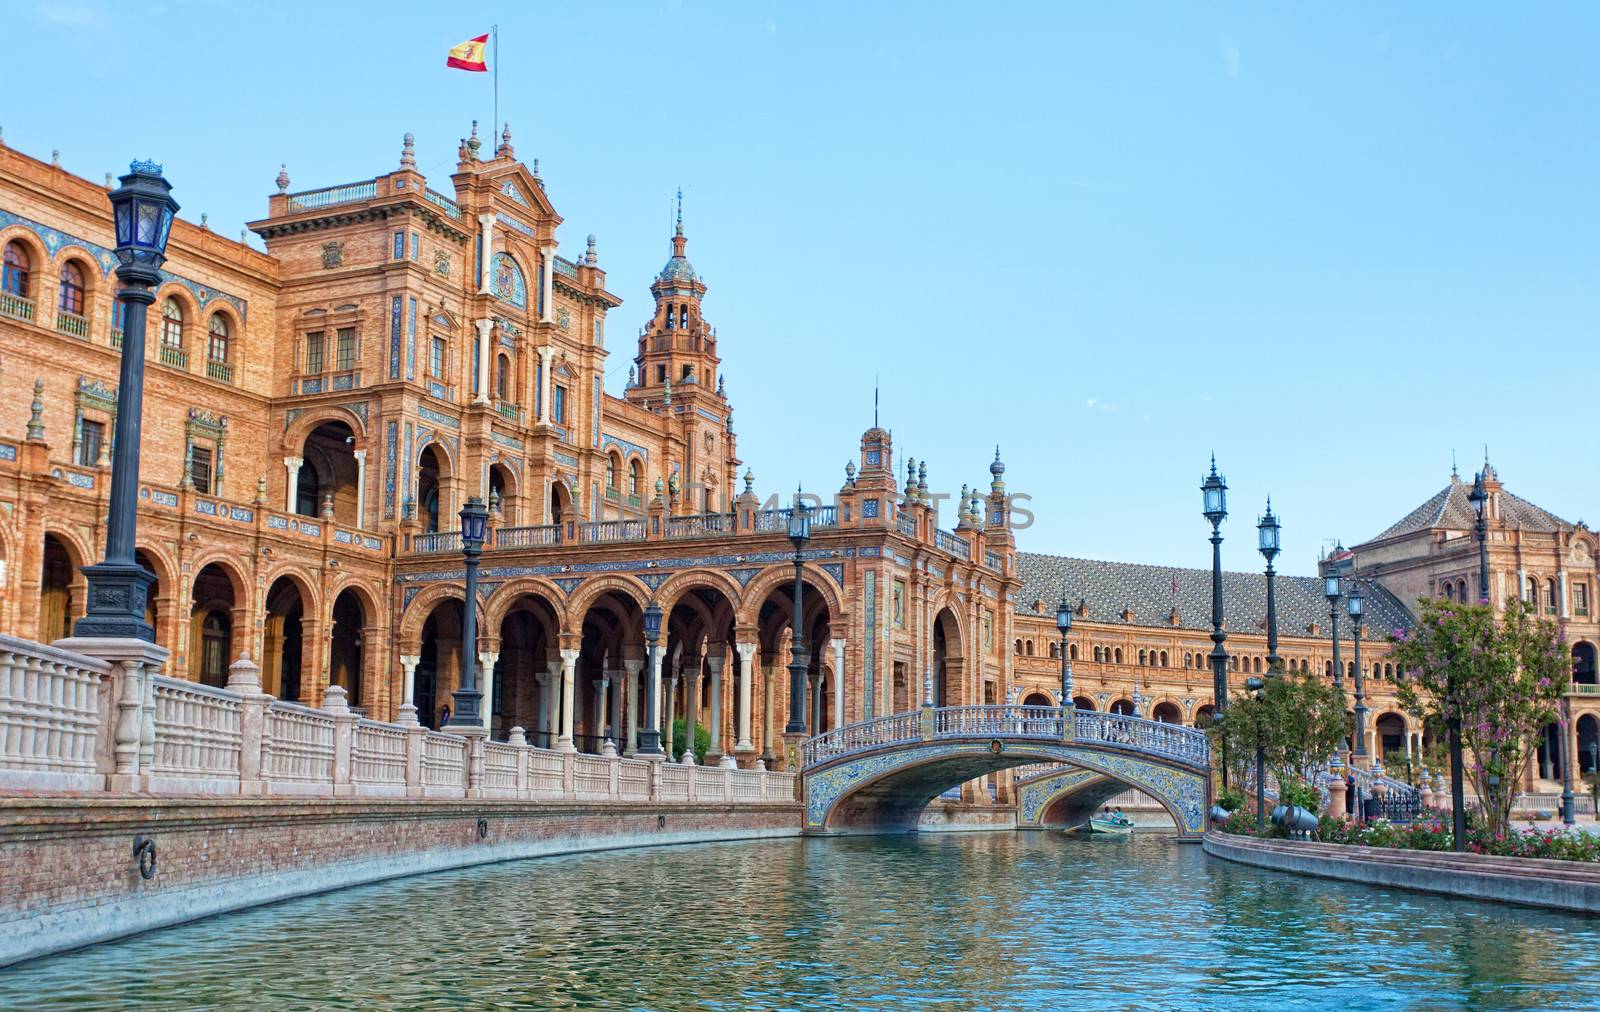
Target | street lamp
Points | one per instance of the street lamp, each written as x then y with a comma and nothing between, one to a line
650,737
1568,814
1479,497
118,585
1356,604
1268,529
1064,626
474,524
1330,588
799,534
1215,491
1255,686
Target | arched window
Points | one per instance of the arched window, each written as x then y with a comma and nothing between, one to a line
1327,669
671,319
611,471
1461,590
1018,648
683,317
71,300
502,377
1388,671
1027,648
1530,593
1550,596
1072,651
171,324
1449,592
1258,665
1141,658
18,268
635,477
1350,669
1163,658
1118,655
217,344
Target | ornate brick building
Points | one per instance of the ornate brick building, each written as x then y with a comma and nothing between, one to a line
316,415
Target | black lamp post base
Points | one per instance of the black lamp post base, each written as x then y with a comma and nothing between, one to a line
465,713
118,593
650,745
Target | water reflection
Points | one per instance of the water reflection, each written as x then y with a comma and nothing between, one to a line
981,921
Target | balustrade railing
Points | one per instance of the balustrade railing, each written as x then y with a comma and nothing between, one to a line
907,522
825,516
71,323
174,356
188,738
597,531
700,525
1039,723
437,541
440,200
947,542
15,306
528,537
349,193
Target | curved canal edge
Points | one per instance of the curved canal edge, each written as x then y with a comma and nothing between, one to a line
1535,882
76,867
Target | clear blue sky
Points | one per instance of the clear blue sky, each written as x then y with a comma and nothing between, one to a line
1332,245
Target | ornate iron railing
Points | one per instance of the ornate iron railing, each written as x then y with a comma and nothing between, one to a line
347,194
1034,723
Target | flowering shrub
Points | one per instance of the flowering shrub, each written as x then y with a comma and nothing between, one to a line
1435,835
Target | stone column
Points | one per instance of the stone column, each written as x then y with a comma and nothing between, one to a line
545,355
292,486
486,662
838,684
541,725
616,690
672,705
408,705
601,699
633,668
569,664
742,743
485,282
484,351
714,661
691,703
361,488
546,299
767,755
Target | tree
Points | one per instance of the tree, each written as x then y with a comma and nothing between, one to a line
1302,722
1503,680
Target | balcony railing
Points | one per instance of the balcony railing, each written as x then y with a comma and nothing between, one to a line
947,542
15,306
772,520
72,323
450,207
116,337
907,523
509,411
825,516
527,537
174,356
700,525
220,371
347,194
610,530
437,541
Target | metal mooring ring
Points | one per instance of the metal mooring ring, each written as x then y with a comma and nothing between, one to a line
661,822
483,829
144,854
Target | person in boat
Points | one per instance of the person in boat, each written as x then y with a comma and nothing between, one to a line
1119,817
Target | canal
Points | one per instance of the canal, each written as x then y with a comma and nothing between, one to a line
974,921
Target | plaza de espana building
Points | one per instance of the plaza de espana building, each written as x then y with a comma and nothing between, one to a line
316,415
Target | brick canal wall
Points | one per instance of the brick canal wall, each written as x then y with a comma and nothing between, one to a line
73,877
1534,882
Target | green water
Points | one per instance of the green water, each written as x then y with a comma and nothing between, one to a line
990,921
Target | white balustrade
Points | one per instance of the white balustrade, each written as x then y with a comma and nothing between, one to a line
674,782
197,732
500,768
591,776
297,749
378,758
633,780
545,773
49,716
444,763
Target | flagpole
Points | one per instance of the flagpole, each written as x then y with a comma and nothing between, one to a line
494,127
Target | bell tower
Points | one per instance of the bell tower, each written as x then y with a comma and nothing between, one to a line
677,349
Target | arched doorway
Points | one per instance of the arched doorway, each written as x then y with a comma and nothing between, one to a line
526,690
1583,663
1037,699
1167,712
1588,743
347,646
430,489
699,637
282,652
1391,731
1548,763
1122,707
211,611
502,495
439,666
57,603
947,660
1082,703
1202,716
560,503
328,474
152,614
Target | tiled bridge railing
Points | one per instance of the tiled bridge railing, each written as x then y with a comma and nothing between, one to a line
673,528
1040,723
167,736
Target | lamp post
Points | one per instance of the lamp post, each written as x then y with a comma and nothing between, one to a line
1355,603
1479,497
1330,588
1215,493
1568,815
799,534
1255,685
1268,529
118,586
650,736
464,714
1064,626
1594,778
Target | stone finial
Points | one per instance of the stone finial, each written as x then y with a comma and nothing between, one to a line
336,700
722,387
473,144
244,676
536,174
633,379
590,257
997,484
36,420
205,221
283,178
850,472
761,765
261,490
609,749
494,500
667,396
244,237
408,152
749,482
111,184
505,150
327,506
660,487
673,484
103,460
922,480
963,511
55,157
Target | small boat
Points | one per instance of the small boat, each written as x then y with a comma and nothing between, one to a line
1108,826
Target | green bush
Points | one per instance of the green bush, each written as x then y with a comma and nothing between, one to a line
702,741
1231,799
1298,792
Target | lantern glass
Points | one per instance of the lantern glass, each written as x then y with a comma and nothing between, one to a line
1214,499
1330,585
474,522
1268,530
799,522
652,621
1356,602
1063,616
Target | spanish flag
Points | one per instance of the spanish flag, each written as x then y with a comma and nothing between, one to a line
468,55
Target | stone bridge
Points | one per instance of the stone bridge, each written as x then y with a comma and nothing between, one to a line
878,775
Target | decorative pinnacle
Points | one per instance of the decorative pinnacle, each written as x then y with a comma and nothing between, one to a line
590,257
110,183
680,212
55,156
283,178
205,222
473,144
505,148
408,152
36,421
749,482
